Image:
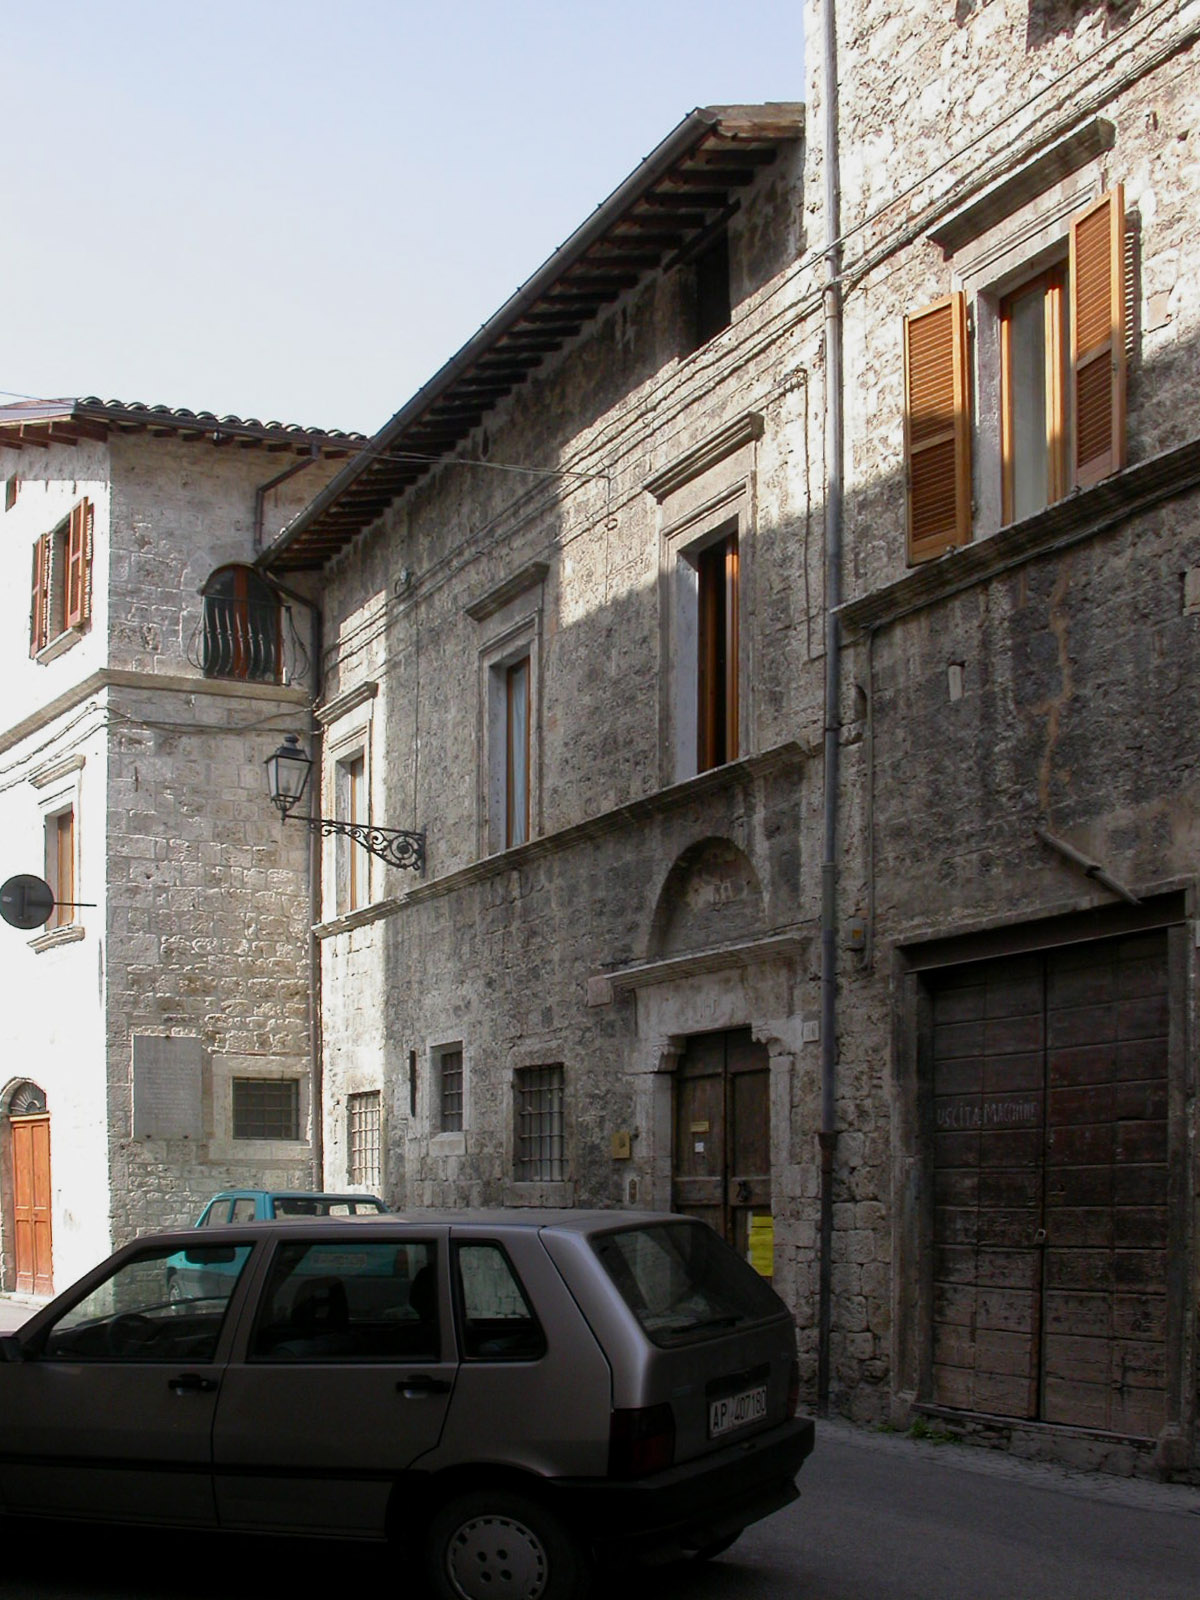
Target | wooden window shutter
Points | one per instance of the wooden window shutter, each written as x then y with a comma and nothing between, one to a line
39,612
937,428
1098,339
79,564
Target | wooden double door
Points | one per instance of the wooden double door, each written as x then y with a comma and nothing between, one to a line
32,1252
722,1147
1050,1172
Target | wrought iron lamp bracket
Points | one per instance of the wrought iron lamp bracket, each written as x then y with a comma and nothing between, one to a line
397,846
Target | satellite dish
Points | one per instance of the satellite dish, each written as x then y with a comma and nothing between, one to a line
26,901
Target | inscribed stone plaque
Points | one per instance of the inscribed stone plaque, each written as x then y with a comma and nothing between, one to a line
166,1087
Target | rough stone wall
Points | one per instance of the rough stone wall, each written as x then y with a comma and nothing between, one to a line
1053,692
508,955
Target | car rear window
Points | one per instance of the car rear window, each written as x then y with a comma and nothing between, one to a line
317,1205
683,1283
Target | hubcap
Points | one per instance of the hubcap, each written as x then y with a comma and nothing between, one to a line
495,1558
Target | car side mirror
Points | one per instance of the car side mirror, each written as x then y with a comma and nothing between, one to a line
11,1348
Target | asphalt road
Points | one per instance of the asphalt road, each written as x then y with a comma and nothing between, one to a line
881,1518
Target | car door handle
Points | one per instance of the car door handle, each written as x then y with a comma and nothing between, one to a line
191,1383
420,1383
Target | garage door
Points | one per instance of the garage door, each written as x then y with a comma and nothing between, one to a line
1050,1186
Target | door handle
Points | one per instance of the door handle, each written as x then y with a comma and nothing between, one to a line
191,1383
420,1383
1040,1236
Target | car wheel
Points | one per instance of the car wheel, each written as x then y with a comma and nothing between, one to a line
174,1290
500,1545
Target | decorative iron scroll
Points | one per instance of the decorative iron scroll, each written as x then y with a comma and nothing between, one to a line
396,846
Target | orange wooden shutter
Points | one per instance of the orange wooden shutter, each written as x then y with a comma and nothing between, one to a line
39,614
78,591
937,428
1098,338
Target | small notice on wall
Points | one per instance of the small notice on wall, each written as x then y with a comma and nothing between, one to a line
761,1251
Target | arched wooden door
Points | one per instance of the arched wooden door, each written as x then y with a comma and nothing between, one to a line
32,1245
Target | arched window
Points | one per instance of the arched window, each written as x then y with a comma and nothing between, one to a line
241,636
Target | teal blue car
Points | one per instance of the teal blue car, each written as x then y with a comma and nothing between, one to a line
199,1274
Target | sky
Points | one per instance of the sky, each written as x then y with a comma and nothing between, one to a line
298,211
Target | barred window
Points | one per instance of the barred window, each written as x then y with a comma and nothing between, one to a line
538,1143
266,1108
241,635
450,1090
362,1139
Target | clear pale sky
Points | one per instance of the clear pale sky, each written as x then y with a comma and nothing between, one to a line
297,210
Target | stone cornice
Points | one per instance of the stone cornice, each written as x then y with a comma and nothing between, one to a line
735,775
155,682
341,705
706,454
748,953
529,577
1080,517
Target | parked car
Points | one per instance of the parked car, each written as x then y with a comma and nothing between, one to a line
511,1396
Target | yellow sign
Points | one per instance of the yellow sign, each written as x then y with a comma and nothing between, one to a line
761,1249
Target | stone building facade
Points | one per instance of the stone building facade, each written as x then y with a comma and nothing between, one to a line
572,607
576,601
1018,818
147,668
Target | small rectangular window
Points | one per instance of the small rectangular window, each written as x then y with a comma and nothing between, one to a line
266,1108
352,861
62,579
12,487
516,807
363,1138
60,866
538,1144
712,308
450,1090
717,654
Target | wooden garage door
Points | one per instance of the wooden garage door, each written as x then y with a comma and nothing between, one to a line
1050,1186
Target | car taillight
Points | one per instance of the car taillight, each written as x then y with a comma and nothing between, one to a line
640,1441
793,1394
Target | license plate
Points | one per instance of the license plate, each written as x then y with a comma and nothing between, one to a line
736,1410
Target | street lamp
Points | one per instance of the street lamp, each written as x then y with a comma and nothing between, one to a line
287,778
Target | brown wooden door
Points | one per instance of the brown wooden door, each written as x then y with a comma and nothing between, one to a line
31,1204
1050,1186
722,1162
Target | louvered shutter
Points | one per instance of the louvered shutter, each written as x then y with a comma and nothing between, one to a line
79,551
1098,339
937,428
39,611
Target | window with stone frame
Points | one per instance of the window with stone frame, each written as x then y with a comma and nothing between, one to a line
363,1138
539,1134
60,865
449,1089
266,1108
1061,374
61,588
352,864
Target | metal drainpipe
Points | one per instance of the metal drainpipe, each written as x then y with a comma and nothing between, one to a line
827,1136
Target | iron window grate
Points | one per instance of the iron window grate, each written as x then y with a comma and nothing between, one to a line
538,1153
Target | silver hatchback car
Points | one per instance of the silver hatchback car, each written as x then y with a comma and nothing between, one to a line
512,1396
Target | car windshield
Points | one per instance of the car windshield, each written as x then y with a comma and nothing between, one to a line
682,1282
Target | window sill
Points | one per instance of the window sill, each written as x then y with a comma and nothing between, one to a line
60,646
1081,516
70,934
